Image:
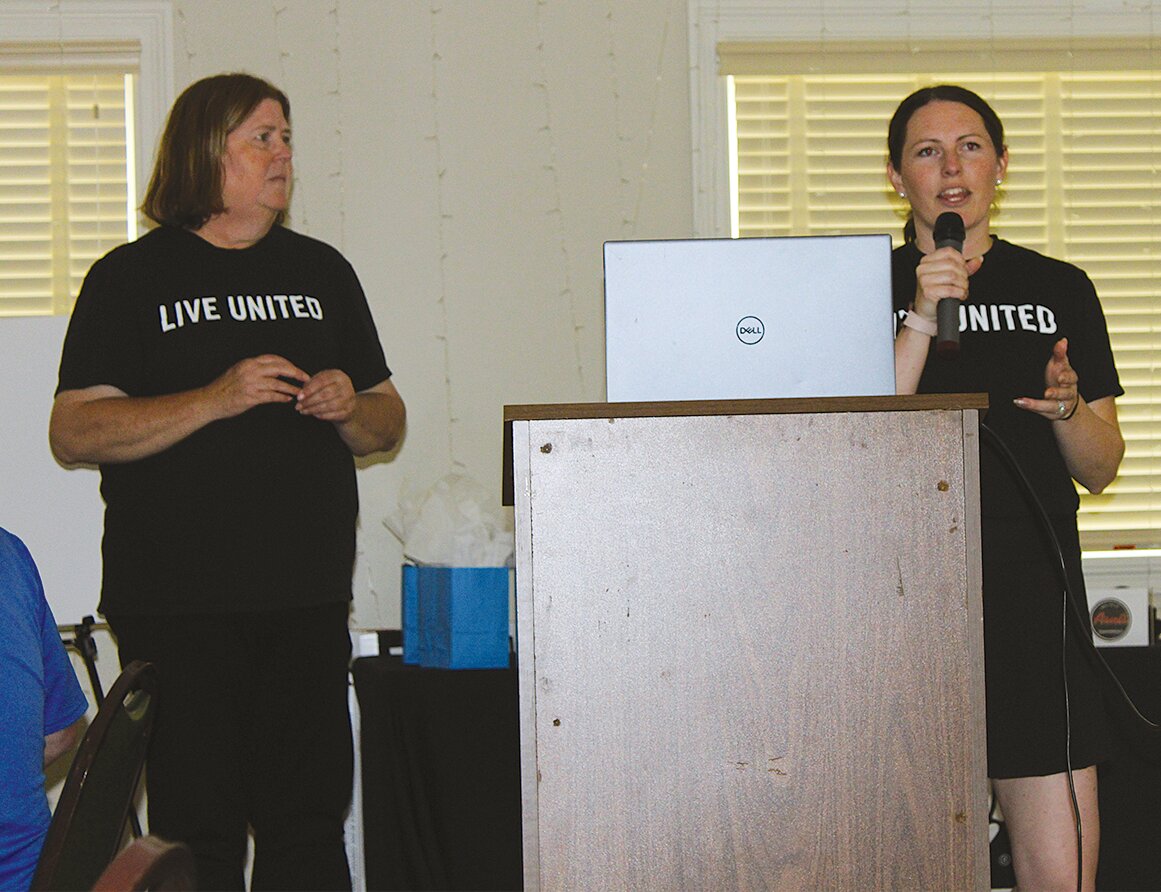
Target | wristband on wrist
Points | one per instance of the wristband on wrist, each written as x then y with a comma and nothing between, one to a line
924,326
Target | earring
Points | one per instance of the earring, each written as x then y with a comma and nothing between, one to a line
902,194
999,182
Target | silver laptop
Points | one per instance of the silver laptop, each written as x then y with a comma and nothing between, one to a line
754,318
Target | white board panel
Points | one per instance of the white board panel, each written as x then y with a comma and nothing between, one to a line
58,512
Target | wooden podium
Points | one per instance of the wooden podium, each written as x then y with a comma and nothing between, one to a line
750,644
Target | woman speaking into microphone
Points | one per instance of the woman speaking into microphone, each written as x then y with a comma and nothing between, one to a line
1032,335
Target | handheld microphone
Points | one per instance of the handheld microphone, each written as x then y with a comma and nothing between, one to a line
948,232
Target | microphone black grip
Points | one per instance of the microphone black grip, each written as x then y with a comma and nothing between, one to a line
947,327
948,232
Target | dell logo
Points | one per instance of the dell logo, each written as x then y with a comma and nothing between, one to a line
750,329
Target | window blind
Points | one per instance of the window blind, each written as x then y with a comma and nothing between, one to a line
65,183
1084,184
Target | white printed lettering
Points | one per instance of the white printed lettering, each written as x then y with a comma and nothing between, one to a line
1046,319
242,308
1008,317
193,310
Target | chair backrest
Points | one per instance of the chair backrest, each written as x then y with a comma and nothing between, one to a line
149,863
88,825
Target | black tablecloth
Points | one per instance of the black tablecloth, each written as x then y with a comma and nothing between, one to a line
440,754
1129,784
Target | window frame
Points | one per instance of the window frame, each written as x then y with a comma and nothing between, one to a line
77,26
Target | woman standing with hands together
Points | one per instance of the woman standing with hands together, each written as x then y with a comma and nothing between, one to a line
1033,337
224,371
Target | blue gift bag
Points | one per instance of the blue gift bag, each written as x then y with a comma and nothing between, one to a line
463,617
410,611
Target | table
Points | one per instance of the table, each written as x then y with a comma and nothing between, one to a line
440,758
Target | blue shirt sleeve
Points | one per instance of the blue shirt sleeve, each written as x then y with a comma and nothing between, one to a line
39,694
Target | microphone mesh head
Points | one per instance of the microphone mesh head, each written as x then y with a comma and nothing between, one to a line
948,230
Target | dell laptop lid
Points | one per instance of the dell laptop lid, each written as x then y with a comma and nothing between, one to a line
753,318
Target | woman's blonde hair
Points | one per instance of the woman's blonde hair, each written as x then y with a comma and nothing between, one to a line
186,186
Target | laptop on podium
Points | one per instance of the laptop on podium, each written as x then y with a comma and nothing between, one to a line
753,318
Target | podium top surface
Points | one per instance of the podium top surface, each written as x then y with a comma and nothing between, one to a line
684,408
792,406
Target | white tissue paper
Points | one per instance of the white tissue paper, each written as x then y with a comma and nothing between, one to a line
455,523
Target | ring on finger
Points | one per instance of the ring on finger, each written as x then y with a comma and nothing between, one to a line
1060,407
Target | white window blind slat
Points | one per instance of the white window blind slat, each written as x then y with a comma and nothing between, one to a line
1084,185
64,184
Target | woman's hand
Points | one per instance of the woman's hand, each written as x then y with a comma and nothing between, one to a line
1088,434
328,396
268,378
1061,397
941,274
368,421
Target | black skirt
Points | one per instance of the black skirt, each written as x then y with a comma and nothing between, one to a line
1044,706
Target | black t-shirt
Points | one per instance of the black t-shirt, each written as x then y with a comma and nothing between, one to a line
1021,303
255,512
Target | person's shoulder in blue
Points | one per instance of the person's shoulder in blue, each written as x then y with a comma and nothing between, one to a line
41,704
